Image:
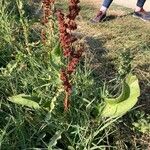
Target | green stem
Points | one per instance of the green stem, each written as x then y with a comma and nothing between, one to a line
23,24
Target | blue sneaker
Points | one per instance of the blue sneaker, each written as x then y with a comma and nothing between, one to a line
145,16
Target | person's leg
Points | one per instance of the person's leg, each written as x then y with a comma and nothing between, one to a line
139,5
140,12
107,3
102,12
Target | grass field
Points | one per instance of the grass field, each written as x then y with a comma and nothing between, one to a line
36,120
120,32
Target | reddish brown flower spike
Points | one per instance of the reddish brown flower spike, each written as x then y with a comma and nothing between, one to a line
66,83
66,25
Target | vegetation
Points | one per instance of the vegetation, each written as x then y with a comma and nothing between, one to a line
50,95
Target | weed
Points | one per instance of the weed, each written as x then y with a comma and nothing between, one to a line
37,74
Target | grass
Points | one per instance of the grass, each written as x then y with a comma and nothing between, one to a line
79,128
107,40
120,32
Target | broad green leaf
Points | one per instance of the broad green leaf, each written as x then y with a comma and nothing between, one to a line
24,100
124,94
124,104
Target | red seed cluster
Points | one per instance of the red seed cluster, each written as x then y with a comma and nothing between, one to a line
67,87
73,9
66,25
66,37
66,83
71,67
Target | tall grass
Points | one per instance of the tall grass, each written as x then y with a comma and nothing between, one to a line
28,70
26,67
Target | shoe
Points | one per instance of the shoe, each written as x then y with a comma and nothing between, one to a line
142,14
99,17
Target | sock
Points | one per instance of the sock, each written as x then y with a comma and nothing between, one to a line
103,9
137,9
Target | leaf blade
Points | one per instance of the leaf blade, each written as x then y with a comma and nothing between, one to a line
24,100
120,108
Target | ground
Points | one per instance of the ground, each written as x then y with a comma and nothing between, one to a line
118,33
